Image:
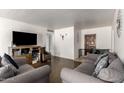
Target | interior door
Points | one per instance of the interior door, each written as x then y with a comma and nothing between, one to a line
90,43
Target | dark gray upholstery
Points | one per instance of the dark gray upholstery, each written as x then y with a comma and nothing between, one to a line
83,73
36,75
28,74
86,67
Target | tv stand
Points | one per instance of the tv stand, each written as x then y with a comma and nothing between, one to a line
33,53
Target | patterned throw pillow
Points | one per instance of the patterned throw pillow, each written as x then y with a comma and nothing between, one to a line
100,57
111,75
7,71
103,63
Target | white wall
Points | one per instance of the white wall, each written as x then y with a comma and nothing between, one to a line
68,48
7,26
64,48
77,41
103,37
119,41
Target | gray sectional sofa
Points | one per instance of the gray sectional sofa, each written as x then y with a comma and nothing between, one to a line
84,72
28,74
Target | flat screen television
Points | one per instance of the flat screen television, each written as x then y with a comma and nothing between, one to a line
24,38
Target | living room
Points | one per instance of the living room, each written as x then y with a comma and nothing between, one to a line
43,27
61,36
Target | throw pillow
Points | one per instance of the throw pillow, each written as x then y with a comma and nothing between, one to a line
111,75
117,64
7,71
100,57
8,60
112,56
103,63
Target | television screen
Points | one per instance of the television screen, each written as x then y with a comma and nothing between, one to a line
23,38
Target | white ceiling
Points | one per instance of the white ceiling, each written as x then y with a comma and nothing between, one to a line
59,18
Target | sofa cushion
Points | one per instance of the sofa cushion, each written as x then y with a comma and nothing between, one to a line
117,64
8,60
7,71
111,75
86,68
25,68
92,56
103,63
84,59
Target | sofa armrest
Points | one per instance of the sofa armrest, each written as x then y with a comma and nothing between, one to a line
72,76
20,60
32,76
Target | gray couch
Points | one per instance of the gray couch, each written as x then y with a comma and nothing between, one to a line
28,74
83,73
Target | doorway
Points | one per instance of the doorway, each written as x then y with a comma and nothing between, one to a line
50,42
